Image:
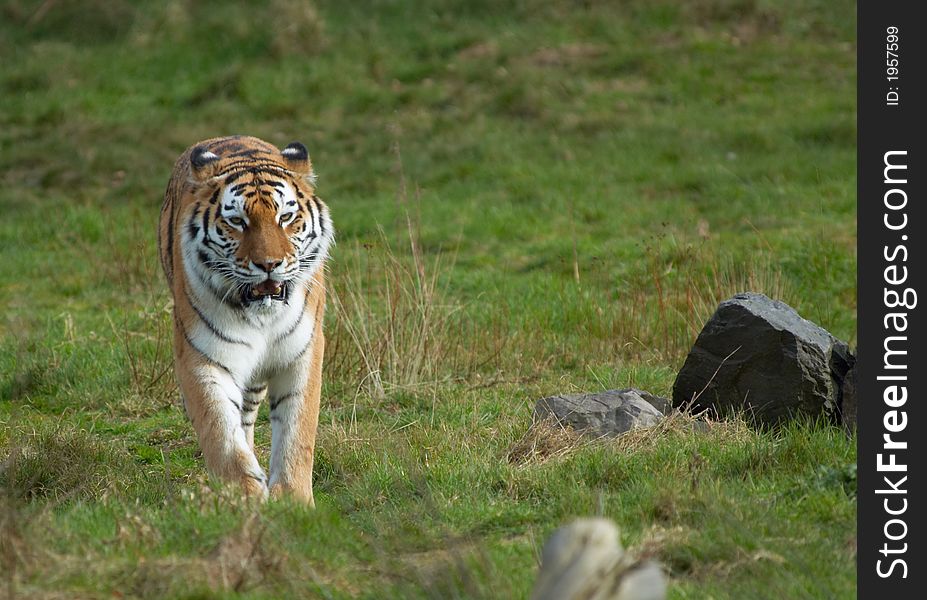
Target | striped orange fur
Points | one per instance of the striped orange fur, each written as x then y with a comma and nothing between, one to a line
243,242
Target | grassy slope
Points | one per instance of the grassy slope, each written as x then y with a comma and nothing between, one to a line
670,154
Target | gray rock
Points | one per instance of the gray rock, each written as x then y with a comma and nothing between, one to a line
585,561
607,413
759,356
664,405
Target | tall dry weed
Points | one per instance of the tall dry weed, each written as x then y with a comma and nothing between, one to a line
662,320
396,326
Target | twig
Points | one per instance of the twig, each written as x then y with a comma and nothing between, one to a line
712,378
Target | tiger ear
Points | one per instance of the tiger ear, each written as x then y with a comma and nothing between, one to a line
297,158
203,163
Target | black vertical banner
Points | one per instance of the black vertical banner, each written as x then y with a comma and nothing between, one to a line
892,362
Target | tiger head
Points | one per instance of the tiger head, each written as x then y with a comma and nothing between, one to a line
258,229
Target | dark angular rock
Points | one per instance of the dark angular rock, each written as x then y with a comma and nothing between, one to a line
607,413
759,356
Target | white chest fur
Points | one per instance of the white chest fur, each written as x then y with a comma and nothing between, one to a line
252,343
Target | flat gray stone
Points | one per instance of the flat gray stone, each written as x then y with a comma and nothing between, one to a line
664,405
609,413
757,355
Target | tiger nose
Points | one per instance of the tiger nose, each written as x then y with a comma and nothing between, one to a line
269,265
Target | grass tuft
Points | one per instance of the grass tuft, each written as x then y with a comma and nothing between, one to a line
62,464
396,328
544,440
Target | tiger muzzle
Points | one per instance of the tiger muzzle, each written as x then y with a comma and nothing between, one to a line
275,290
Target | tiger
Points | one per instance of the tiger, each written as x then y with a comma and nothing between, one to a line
243,242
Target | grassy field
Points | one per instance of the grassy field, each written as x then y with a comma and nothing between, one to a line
531,198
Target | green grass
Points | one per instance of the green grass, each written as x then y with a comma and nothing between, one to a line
580,183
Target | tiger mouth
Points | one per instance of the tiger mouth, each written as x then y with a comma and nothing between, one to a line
274,290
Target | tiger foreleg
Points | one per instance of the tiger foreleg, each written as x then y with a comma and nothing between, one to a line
250,403
214,405
294,419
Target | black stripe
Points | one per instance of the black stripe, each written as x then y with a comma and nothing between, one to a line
208,358
235,404
208,241
245,152
275,403
206,221
242,167
212,244
248,423
235,171
230,300
294,326
209,324
256,390
194,229
261,479
212,289
255,165
269,202
250,405
170,240
233,177
313,210
317,204
215,196
308,259
229,143
303,351
204,258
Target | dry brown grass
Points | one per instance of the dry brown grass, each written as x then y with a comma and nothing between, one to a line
545,440
735,430
59,464
658,537
395,325
149,356
144,331
660,321
387,320
243,560
549,439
